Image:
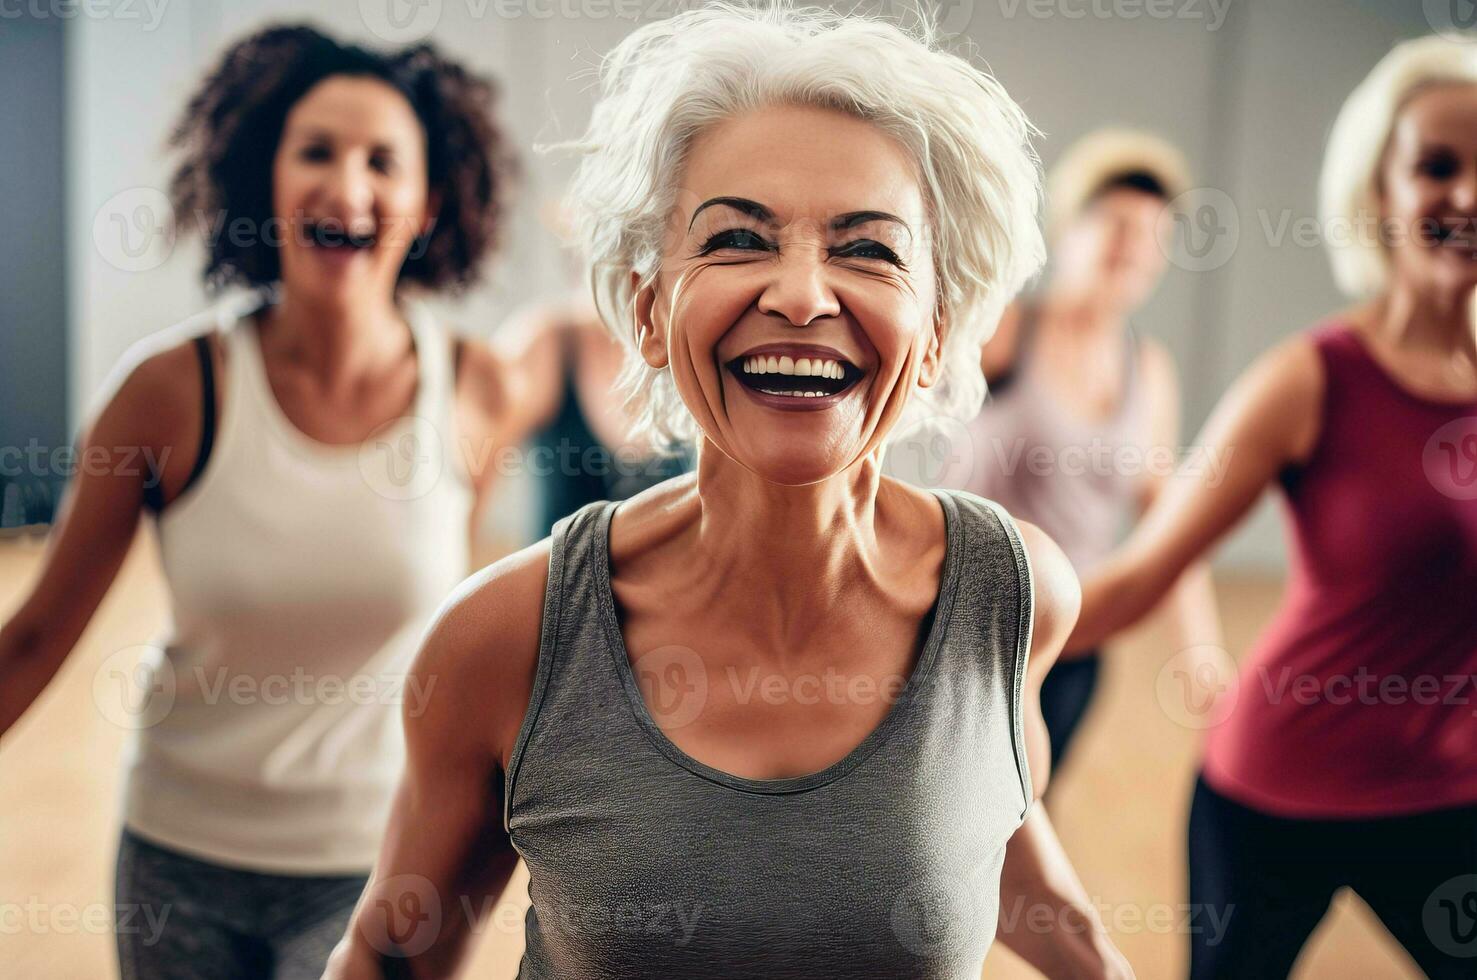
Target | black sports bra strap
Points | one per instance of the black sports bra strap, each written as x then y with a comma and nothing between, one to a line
207,429
154,488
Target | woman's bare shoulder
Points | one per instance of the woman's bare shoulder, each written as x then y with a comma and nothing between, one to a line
482,648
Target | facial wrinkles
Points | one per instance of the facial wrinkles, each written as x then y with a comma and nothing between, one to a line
840,274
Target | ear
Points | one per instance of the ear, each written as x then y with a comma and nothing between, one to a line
933,354
649,322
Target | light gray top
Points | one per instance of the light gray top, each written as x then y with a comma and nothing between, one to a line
1077,479
644,862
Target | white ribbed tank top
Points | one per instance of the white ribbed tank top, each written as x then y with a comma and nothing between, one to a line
302,577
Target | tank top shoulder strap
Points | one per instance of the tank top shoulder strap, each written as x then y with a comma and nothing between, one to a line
1343,353
573,625
992,608
1132,417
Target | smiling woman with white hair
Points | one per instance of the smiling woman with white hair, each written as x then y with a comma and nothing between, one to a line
1343,760
777,719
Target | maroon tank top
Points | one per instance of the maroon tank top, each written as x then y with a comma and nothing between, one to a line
1360,698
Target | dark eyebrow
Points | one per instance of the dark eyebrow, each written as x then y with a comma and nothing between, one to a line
752,208
855,218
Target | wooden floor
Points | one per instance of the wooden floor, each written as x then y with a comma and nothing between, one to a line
1120,808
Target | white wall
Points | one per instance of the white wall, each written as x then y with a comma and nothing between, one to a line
1247,87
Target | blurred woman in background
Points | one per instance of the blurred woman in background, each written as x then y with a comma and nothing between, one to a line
1344,760
583,448
313,497
1078,401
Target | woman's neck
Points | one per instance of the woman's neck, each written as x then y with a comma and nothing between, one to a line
1081,314
790,550
337,340
1423,320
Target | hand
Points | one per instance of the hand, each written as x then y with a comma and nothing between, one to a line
1093,958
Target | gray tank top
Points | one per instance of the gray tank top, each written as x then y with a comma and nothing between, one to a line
1078,480
644,862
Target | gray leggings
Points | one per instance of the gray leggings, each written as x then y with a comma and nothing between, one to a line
181,918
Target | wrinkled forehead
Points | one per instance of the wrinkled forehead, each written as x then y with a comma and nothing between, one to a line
802,164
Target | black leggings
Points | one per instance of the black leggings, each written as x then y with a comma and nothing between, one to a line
1065,695
182,918
1259,884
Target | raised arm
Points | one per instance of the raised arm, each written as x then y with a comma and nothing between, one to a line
507,390
446,856
1037,875
154,415
1191,601
1267,420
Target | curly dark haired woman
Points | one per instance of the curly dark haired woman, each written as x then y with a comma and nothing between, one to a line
309,509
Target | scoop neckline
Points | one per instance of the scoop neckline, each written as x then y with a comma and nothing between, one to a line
921,674
1128,392
289,430
1365,352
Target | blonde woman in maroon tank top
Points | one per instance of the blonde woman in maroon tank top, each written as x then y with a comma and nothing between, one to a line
1346,756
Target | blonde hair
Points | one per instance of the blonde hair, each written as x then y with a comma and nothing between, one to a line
1103,156
1348,187
670,79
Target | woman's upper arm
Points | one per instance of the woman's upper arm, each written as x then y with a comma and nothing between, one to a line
479,659
1056,598
506,393
1267,420
445,842
145,425
1162,392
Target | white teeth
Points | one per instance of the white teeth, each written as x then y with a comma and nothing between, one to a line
805,367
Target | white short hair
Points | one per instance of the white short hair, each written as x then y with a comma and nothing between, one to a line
1347,189
1103,156
671,79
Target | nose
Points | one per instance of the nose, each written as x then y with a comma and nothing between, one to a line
797,289
1464,188
347,189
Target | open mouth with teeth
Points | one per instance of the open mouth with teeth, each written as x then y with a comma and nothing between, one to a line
330,235
802,377
1460,238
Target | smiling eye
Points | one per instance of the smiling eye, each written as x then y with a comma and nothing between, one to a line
316,153
740,238
1439,167
866,248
